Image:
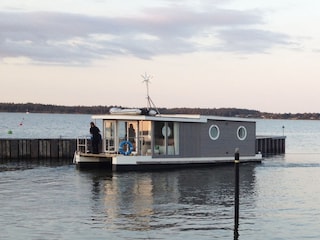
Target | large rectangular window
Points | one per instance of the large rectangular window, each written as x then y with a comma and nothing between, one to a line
127,131
166,138
110,134
145,137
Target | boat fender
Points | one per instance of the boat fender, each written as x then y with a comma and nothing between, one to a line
129,147
152,112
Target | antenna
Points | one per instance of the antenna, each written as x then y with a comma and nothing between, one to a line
146,80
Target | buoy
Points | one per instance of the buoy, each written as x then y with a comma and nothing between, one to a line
129,146
10,132
21,123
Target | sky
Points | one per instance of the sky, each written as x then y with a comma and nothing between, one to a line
259,55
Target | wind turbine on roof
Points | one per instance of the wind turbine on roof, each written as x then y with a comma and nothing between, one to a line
146,80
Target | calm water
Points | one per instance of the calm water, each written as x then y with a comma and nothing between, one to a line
39,125
279,198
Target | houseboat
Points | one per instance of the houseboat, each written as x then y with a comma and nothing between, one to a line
137,140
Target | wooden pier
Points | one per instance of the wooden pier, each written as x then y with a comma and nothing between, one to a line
61,148
37,148
271,145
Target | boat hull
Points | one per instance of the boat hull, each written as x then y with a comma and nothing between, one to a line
87,160
136,163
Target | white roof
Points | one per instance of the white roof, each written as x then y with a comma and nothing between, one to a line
170,117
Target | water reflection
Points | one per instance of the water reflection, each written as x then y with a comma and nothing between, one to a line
182,200
25,164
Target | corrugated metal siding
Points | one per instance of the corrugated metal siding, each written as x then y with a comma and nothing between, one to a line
190,141
196,142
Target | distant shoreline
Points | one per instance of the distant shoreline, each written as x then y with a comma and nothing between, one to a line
225,112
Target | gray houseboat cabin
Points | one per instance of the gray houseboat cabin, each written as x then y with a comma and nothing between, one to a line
133,141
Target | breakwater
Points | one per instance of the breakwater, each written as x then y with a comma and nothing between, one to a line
271,145
61,148
37,148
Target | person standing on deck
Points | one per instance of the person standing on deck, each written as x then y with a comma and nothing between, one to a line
95,137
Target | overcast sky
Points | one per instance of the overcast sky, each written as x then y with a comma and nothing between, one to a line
260,55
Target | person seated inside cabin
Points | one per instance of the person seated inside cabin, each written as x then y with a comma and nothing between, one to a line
130,136
132,133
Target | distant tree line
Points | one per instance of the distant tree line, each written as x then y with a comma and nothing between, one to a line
224,112
49,108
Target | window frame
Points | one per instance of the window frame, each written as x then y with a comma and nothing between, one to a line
218,132
245,132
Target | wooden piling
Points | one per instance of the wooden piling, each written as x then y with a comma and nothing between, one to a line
236,191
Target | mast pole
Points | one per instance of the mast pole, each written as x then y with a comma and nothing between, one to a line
146,80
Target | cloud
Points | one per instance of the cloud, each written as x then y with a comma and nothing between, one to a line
250,40
58,38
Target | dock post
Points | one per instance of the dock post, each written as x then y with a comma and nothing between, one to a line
236,193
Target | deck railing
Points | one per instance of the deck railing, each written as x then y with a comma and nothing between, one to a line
83,144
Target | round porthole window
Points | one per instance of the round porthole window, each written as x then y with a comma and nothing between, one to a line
242,133
164,130
214,132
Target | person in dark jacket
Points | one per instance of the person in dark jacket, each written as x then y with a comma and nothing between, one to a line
95,137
